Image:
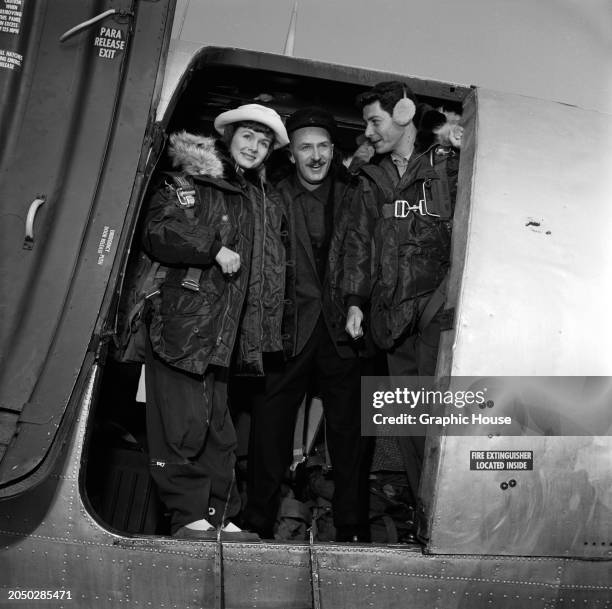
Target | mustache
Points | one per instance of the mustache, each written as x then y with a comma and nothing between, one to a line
316,164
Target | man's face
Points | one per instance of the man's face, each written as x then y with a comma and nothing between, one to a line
311,150
249,148
380,128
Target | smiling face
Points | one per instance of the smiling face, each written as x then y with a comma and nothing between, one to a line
383,133
311,150
249,148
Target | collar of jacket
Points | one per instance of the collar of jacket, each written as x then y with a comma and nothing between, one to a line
425,168
207,160
416,154
321,193
221,183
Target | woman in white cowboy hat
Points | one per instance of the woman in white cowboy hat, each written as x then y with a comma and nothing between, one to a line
216,231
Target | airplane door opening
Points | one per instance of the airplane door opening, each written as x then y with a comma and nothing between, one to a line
117,483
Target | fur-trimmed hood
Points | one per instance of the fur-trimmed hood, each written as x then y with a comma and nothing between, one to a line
195,154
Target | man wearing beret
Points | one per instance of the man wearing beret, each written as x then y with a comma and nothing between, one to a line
322,356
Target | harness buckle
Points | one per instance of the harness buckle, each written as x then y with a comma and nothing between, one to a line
403,208
192,278
423,202
186,197
190,284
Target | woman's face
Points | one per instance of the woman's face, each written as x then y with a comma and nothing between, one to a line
249,148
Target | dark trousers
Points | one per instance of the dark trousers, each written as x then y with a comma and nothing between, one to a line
191,442
415,355
273,421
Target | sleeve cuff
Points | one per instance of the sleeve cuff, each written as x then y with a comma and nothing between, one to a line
214,248
354,301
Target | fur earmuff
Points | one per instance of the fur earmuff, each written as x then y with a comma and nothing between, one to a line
403,111
195,154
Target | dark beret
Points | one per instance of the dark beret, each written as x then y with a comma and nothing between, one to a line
312,116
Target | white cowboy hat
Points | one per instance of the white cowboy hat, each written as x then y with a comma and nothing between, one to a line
260,114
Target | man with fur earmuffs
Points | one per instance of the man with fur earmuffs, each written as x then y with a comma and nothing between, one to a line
404,204
398,244
217,233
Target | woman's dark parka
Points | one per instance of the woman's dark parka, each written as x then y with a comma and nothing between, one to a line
194,328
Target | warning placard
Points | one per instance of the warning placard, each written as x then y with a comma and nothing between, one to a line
10,60
110,41
501,460
11,14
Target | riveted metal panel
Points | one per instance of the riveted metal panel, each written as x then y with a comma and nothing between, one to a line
368,577
530,282
536,281
561,508
48,540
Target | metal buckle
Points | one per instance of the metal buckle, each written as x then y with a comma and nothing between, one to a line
423,201
403,208
186,198
443,151
151,294
190,284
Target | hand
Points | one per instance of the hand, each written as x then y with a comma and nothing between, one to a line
228,260
365,151
455,135
449,135
354,319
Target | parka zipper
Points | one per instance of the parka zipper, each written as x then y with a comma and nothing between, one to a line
229,296
263,254
227,308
